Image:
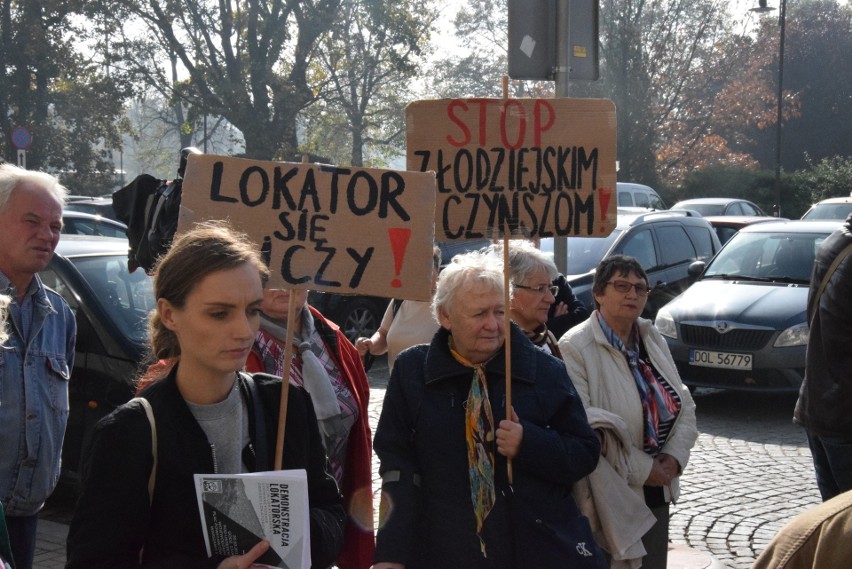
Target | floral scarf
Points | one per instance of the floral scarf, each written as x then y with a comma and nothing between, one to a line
658,404
479,432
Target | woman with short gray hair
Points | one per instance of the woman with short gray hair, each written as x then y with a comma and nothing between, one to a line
445,435
533,291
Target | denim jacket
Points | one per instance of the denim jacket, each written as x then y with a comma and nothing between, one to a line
34,400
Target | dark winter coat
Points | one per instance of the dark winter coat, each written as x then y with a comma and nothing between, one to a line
420,441
825,399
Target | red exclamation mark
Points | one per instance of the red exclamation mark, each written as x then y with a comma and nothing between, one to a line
604,195
399,238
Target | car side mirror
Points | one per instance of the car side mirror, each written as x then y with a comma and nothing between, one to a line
696,268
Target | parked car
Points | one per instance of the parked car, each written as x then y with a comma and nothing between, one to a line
727,225
80,223
95,205
111,306
360,315
450,249
831,208
664,242
720,206
357,315
742,325
638,195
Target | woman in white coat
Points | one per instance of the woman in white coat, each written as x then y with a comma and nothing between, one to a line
624,373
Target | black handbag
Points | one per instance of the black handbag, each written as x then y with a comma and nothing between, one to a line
567,544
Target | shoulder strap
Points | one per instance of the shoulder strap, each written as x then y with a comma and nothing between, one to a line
814,303
149,412
261,444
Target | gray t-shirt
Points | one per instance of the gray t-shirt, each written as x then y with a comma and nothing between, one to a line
221,422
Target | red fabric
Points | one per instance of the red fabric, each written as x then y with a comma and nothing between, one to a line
358,538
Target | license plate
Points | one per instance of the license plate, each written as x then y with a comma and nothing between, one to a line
724,360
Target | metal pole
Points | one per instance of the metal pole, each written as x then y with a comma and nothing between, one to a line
563,53
782,23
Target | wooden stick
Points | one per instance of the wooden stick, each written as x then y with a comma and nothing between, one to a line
285,383
507,318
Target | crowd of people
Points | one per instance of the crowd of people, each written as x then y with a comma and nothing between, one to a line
501,444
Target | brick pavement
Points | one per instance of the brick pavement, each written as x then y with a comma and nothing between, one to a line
749,474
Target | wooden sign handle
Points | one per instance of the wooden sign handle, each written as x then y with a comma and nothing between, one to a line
508,327
285,384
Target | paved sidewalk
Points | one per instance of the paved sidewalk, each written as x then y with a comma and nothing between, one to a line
50,547
749,474
50,551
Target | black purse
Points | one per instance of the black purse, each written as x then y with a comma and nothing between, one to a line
569,543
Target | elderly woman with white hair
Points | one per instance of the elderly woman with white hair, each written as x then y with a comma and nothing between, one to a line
445,435
533,291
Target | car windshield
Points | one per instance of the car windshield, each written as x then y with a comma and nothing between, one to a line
77,226
777,256
103,209
126,297
828,211
584,253
704,209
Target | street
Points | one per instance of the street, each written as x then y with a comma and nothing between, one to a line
750,472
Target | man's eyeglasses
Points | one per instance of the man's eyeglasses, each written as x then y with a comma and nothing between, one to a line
625,286
541,289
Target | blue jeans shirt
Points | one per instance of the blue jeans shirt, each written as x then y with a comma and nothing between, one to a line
35,366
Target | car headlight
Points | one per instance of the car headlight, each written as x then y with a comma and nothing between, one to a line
666,324
793,336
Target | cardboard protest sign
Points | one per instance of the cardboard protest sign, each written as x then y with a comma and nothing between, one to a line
320,227
539,167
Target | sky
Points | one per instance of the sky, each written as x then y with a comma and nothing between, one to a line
740,9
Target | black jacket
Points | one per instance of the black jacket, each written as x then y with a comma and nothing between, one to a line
113,520
825,399
420,440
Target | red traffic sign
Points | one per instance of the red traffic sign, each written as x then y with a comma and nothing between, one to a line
21,138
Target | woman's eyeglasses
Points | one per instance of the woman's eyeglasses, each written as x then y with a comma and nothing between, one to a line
539,289
625,286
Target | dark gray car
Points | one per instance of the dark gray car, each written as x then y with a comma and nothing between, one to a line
742,325
665,243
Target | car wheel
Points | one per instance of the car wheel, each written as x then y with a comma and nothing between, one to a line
359,318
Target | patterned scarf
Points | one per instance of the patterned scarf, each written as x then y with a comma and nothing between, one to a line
479,432
315,373
657,403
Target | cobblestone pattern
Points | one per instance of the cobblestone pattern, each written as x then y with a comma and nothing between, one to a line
750,472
